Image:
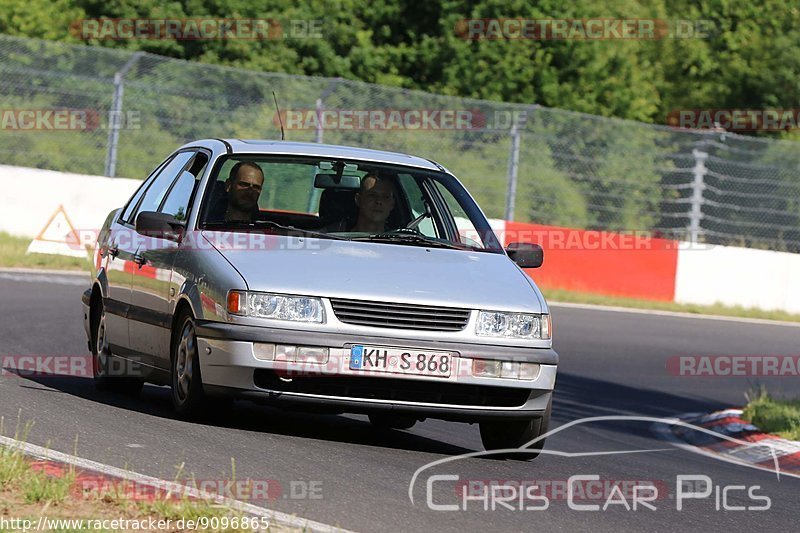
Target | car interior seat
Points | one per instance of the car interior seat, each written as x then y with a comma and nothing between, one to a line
337,208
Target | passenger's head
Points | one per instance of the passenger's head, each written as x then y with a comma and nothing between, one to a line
375,200
244,186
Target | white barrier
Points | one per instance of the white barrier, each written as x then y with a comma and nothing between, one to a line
739,276
30,198
717,274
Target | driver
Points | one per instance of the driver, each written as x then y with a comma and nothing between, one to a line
243,187
375,200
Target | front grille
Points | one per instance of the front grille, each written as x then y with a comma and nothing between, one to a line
400,316
393,389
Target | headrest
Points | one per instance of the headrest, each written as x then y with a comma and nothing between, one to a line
338,204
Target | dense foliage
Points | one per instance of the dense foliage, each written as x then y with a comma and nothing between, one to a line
748,59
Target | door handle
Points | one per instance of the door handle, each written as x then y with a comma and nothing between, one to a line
138,259
113,252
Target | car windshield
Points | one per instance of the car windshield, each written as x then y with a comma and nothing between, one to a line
341,199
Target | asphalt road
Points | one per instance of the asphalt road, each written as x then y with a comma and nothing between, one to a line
338,470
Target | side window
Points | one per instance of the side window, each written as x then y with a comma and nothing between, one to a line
177,201
134,201
416,202
467,232
126,216
156,192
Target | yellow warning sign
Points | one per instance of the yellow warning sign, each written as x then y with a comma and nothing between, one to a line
58,237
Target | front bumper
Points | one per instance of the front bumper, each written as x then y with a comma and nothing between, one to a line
229,365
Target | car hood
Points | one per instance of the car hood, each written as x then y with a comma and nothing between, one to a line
381,272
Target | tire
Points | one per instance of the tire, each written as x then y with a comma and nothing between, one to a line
384,421
101,357
186,381
504,434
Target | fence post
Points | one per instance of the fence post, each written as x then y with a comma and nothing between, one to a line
318,133
513,167
320,107
313,196
114,115
696,201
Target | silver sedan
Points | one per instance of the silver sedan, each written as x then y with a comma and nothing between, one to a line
321,277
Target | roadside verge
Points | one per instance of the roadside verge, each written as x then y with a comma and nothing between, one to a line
738,441
93,474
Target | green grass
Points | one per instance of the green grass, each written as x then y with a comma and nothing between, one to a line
13,254
773,415
561,295
39,487
13,466
36,486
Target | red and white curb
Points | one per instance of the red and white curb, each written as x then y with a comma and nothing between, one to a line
730,438
55,462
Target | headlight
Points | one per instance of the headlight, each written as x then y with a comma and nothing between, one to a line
514,325
275,306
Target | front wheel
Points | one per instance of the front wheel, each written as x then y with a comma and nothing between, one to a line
507,434
187,384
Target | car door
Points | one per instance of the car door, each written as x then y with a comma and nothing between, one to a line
118,265
117,254
150,284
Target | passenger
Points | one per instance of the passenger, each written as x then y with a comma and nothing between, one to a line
375,200
243,186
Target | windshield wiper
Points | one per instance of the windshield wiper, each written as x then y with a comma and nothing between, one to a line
410,238
270,224
311,233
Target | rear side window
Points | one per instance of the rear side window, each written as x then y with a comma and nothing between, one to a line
158,189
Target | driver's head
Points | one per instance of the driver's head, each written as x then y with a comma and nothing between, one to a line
244,186
375,199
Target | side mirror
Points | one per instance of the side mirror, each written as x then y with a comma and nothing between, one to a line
159,226
526,255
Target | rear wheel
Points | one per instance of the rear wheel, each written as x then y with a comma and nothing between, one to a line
187,384
101,357
505,434
385,421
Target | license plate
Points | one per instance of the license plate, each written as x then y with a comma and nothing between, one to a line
400,361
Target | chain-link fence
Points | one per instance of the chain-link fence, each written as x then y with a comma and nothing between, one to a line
525,163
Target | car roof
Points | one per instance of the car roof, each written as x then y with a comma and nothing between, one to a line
265,146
